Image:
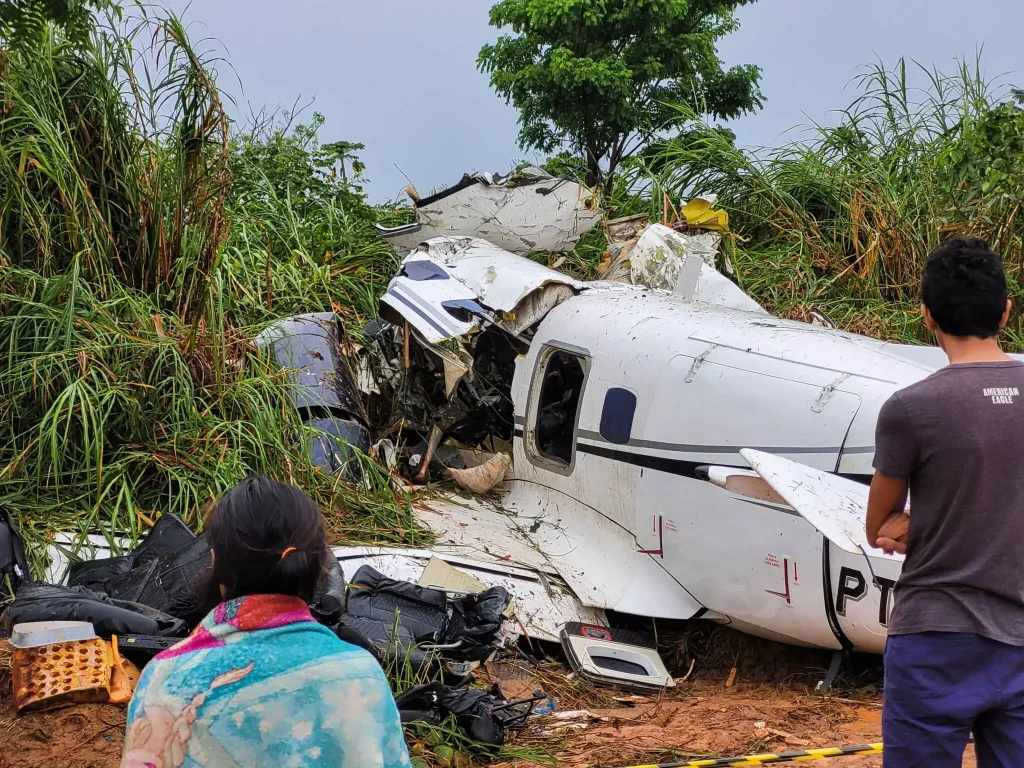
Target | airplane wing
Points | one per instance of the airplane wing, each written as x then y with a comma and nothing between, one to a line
835,506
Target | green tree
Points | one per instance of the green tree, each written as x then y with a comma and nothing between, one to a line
22,20
602,77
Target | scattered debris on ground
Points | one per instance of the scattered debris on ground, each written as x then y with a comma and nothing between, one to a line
769,707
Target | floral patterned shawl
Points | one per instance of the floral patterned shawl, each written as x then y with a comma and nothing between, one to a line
260,683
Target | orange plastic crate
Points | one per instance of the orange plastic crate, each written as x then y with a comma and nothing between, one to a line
64,673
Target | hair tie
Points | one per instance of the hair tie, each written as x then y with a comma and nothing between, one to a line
285,553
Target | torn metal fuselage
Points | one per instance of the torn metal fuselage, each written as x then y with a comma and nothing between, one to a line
526,212
681,455
453,323
322,388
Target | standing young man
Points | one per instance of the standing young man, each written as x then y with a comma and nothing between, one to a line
954,659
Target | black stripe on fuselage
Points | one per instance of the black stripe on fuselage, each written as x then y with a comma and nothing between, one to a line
679,467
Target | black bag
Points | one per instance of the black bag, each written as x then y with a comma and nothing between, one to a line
483,715
423,611
476,621
331,597
95,574
475,712
174,583
13,563
389,643
169,571
45,602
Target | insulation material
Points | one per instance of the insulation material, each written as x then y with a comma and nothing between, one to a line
63,673
532,309
658,256
682,263
622,235
453,373
438,573
484,478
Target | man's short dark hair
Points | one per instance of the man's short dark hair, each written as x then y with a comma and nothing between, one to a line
964,288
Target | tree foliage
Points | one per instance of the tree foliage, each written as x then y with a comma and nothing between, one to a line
22,20
596,76
292,163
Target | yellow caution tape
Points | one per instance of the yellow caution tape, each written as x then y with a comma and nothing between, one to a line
768,758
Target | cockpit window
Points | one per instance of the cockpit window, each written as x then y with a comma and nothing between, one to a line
561,388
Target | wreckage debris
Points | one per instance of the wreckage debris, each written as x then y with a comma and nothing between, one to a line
615,658
525,212
462,628
52,675
680,259
35,634
322,387
442,628
484,715
13,563
485,477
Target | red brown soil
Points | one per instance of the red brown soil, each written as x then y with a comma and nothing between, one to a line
82,736
703,718
709,720
770,707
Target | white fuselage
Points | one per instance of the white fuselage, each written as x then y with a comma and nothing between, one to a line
670,387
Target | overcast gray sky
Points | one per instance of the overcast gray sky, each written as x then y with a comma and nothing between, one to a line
400,75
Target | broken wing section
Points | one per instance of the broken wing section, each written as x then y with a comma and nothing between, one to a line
526,212
834,505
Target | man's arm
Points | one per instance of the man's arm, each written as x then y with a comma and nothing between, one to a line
896,456
887,523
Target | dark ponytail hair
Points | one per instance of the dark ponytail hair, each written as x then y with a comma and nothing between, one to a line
268,538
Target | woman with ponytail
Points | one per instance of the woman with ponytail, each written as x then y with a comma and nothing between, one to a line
259,682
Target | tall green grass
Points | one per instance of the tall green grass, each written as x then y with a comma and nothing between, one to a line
840,221
142,248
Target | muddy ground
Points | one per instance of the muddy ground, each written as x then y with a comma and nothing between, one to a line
766,704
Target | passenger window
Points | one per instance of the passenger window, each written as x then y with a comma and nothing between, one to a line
617,415
561,388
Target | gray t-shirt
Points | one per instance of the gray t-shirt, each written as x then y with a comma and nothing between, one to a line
959,437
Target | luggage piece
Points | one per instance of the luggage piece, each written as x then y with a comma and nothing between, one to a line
169,571
331,597
476,622
389,643
485,716
13,563
423,611
45,602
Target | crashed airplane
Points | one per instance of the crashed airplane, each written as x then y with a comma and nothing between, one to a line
678,453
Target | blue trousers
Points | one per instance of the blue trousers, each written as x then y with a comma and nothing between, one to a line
939,688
